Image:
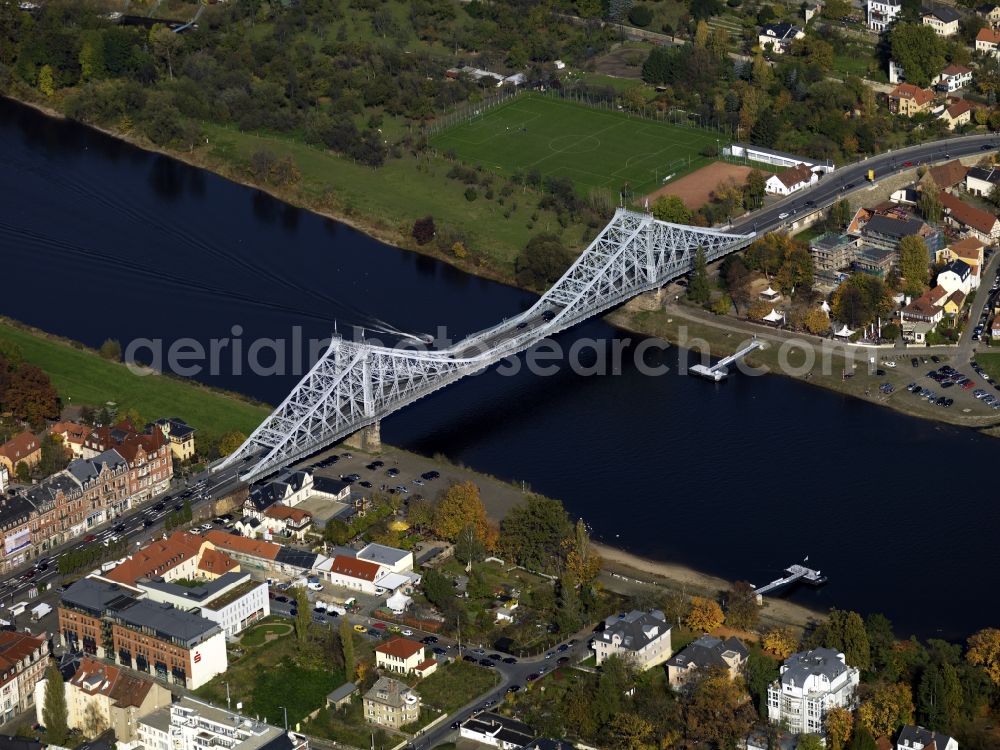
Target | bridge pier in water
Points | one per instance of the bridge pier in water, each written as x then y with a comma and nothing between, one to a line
367,439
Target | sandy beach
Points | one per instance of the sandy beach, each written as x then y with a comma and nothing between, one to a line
625,573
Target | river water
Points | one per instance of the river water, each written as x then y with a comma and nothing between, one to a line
99,239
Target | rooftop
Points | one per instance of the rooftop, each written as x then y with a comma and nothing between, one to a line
636,630
824,662
382,554
402,648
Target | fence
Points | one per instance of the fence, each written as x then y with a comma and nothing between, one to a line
472,110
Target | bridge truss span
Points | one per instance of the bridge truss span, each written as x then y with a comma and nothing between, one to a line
354,384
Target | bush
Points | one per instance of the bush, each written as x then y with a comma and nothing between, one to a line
640,16
424,230
471,194
709,150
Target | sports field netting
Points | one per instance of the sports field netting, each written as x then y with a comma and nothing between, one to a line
592,147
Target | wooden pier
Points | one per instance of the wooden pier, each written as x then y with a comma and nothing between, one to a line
795,573
720,370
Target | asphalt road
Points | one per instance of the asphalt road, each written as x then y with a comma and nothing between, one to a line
853,177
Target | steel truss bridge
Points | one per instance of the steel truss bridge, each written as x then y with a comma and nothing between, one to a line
355,384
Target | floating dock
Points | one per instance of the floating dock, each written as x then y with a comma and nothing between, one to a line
795,573
720,370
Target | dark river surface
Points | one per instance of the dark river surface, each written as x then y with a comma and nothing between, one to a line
99,239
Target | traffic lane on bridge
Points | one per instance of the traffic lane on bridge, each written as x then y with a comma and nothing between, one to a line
835,185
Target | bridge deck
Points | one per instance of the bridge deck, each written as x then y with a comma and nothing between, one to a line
719,370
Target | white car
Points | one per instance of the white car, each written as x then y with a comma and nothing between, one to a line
315,586
407,632
889,363
783,216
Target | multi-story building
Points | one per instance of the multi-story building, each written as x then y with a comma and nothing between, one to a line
148,455
190,724
234,601
908,100
117,623
943,20
391,703
707,652
394,559
811,683
779,36
104,481
60,511
102,694
642,637
832,252
22,665
919,738
982,225
881,14
953,78
74,437
15,525
22,448
180,435
170,559
403,656
988,42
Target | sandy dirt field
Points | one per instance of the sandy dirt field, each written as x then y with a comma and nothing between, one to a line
696,188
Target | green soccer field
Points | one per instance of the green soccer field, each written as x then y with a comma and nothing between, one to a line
592,147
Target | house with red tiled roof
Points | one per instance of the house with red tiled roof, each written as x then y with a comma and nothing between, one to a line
119,698
988,41
946,176
282,520
908,100
214,563
74,436
22,448
957,113
148,454
403,656
789,180
171,559
976,222
23,659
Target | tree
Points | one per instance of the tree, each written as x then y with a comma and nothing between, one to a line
742,610
460,506
94,724
939,696
468,545
230,442
838,216
46,81
671,208
424,230
816,321
640,16
862,740
705,615
165,44
919,50
617,676
780,641
628,731
438,588
568,610
304,614
347,645
534,532
54,713
111,349
809,742
761,671
857,651
55,455
22,472
698,288
929,204
30,395
888,708
716,710
913,263
838,723
984,652
756,189
582,563
543,260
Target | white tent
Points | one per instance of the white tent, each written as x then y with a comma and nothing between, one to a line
774,316
844,331
398,602
770,294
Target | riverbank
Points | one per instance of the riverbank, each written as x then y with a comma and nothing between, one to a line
82,377
840,368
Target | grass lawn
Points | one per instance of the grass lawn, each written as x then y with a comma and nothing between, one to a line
392,197
346,725
256,636
595,148
811,233
266,678
453,685
81,376
990,361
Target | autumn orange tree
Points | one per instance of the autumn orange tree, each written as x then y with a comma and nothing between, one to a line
888,708
984,652
461,506
781,642
582,563
705,615
839,724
